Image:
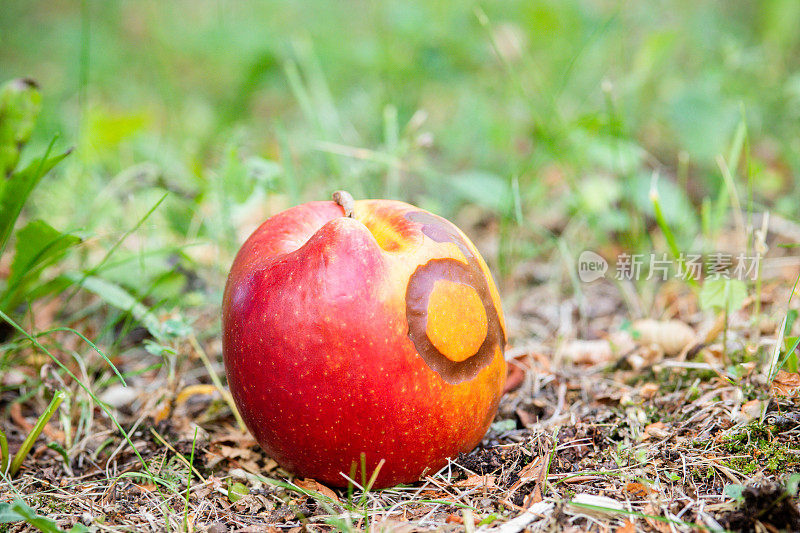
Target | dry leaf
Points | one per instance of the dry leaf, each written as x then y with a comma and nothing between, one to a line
716,329
453,518
242,439
118,396
230,452
249,503
316,486
646,356
526,418
535,496
475,480
648,390
627,527
658,525
528,473
785,384
657,430
193,390
751,410
636,489
672,336
391,526
15,412
583,352
515,376
598,352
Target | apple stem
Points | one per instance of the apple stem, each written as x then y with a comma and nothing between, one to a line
345,199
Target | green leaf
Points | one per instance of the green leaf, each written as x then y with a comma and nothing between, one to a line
18,187
116,296
733,491
8,515
488,520
158,349
792,484
56,447
38,246
45,288
20,103
723,294
237,491
175,328
789,362
791,318
18,511
504,425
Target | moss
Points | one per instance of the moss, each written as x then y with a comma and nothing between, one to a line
757,448
703,475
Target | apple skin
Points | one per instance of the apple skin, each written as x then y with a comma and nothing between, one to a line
334,330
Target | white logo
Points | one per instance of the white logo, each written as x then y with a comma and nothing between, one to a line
591,266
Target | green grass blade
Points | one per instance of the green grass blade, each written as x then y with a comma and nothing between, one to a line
116,296
19,187
27,444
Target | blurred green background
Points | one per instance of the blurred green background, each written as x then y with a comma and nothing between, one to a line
546,118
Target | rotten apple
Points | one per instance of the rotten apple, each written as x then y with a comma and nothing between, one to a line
378,333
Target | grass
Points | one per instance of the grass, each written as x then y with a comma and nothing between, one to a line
536,126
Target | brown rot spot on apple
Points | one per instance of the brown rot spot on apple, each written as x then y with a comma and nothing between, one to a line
440,230
442,296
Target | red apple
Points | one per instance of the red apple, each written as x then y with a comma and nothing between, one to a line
379,334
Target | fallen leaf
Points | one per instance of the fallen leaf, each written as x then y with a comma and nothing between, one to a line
525,417
515,376
237,491
242,439
657,430
672,336
316,486
626,527
230,452
392,526
636,489
15,412
528,473
535,496
751,410
453,518
594,352
533,471
658,525
192,390
645,356
118,396
648,390
785,384
475,481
